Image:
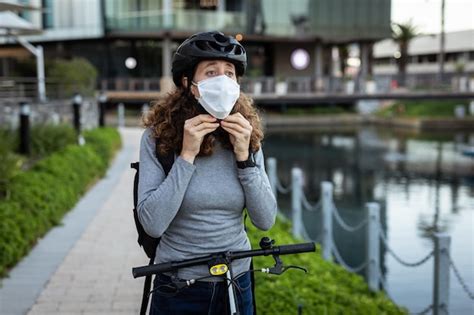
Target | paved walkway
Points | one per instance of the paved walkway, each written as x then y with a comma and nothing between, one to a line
84,266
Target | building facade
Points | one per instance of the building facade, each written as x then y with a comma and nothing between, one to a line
146,32
423,63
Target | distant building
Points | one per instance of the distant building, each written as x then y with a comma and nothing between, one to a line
146,32
423,64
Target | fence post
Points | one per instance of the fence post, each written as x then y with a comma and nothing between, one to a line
76,111
25,111
102,106
145,108
373,245
327,203
296,191
441,274
121,115
272,174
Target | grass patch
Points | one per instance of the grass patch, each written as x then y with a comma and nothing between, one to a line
422,109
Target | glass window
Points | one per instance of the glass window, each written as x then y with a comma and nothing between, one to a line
25,13
47,15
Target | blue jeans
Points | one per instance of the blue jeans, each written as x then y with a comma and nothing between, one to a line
206,298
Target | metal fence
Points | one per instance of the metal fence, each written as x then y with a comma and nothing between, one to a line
443,261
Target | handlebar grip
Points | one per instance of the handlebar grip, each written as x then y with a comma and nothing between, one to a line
153,269
297,248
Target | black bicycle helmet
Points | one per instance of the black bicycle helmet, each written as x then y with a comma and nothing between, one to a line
205,46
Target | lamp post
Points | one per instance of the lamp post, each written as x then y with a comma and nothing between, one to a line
25,111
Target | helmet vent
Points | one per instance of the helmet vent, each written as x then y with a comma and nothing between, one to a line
220,38
238,50
202,45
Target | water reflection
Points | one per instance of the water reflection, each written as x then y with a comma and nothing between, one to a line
420,179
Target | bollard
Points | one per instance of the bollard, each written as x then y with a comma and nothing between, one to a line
373,245
441,274
25,111
272,174
76,110
327,203
121,115
102,102
145,109
296,191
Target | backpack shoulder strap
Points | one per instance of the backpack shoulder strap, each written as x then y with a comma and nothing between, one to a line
136,166
166,161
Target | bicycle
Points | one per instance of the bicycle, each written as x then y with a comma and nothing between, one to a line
220,265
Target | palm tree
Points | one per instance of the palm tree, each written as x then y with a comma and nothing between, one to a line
403,34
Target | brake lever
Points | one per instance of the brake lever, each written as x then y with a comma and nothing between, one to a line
279,268
285,268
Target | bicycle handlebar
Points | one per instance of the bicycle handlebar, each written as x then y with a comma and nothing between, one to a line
229,255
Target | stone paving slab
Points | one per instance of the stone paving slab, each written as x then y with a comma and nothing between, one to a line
93,275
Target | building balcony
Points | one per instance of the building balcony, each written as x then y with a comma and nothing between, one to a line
179,20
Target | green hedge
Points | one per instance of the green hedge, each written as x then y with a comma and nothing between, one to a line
44,140
423,108
40,197
326,289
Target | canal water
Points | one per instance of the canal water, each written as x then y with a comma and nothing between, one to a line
423,182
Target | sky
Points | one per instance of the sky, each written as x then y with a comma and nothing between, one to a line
426,14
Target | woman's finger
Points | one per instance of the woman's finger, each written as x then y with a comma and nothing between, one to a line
237,127
205,131
204,125
236,134
237,118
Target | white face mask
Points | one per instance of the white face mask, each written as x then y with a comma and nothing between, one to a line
218,95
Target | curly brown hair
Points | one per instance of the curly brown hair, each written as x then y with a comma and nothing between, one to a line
166,118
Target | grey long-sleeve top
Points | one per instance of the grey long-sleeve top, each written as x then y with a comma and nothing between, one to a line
197,208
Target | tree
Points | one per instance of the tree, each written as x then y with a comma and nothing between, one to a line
74,76
403,34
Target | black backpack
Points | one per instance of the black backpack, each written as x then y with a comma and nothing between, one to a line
148,243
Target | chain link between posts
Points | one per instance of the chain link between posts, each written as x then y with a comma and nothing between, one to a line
281,189
462,282
343,224
341,261
401,261
308,206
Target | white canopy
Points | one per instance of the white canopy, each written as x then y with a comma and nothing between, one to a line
10,5
12,24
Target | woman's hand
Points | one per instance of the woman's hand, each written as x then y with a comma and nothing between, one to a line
239,130
194,131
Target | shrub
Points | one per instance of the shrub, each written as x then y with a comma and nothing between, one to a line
9,161
46,139
326,289
41,196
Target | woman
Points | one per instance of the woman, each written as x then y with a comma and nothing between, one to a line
215,134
